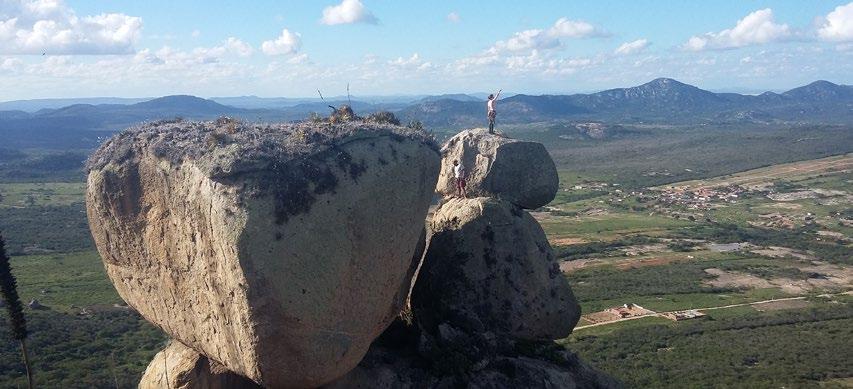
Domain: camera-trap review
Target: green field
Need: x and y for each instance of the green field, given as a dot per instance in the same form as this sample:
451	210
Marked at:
636	250
41	194
730	347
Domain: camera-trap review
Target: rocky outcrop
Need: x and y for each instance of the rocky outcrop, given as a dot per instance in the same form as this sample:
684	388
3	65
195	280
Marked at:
519	172
180	367
280	252
489	267
405	357
489	299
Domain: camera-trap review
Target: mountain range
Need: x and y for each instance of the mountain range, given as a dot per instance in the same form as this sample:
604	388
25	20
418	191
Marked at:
662	100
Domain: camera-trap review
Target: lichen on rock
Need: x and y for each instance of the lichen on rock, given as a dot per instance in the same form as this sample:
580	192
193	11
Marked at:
278	250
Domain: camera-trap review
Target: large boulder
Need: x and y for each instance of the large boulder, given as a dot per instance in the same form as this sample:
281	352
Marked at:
278	251
488	267
180	367
520	172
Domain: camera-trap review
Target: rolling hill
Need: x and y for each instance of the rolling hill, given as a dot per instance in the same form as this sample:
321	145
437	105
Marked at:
662	100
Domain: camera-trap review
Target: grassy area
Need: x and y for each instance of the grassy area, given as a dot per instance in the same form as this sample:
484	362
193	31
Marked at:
740	350
46	229
609	225
41	194
59	281
107	347
730	347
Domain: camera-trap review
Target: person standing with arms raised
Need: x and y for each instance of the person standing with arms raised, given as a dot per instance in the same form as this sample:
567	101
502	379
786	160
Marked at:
491	113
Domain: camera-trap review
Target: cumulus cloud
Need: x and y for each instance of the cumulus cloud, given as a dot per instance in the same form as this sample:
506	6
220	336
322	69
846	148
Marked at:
838	25
453	17
10	64
412	63
543	39
634	47
49	26
540	63
287	43
348	12
756	28
298	59
574	29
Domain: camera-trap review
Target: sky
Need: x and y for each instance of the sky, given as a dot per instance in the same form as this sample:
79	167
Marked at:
130	48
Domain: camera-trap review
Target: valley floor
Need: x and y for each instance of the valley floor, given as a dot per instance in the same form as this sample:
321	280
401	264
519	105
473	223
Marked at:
744	280
764	255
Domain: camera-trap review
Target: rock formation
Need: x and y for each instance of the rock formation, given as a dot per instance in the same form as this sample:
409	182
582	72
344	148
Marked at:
180	367
520	172
278	251
406	358
489	298
489	267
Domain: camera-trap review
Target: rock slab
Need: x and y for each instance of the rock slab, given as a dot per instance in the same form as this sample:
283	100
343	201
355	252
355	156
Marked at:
278	251
180	367
520	172
488	267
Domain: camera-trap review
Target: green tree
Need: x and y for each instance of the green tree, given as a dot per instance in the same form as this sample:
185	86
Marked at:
9	290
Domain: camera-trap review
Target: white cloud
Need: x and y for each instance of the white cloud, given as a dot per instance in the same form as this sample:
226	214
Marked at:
838	24
196	33
49	26
230	46
298	59
539	39
236	46
574	29
756	28
414	62
453	17
540	63
348	12
400	61
287	43
634	47
10	64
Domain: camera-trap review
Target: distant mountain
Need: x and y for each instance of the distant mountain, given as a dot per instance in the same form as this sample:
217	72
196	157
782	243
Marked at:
182	105
662	100
255	102
452	96
38	104
821	91
662	95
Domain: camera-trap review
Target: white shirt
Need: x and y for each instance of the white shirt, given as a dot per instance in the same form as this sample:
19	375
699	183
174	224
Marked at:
458	171
491	104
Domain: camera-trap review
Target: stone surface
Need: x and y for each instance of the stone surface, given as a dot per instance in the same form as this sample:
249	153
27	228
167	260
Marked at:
180	367
520	172
466	360
489	267
279	251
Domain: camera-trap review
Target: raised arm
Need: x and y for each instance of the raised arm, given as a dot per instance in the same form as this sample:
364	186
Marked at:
498	94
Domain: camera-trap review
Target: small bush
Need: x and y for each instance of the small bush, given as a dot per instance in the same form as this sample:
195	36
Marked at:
384	117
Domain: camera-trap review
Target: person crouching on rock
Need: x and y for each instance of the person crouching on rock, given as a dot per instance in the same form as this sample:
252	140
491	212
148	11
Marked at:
490	111
459	175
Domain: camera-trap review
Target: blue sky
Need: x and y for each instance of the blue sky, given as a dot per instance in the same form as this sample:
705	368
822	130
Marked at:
54	48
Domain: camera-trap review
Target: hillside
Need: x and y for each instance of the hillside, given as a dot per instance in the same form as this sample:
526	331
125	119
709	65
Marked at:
662	100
